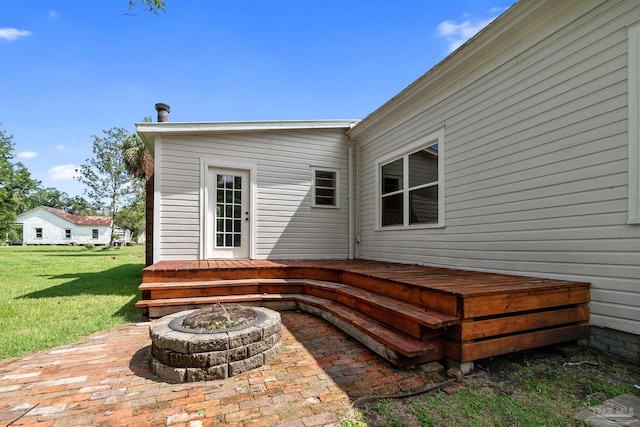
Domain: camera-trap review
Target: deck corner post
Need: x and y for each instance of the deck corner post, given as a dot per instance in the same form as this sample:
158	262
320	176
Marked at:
465	367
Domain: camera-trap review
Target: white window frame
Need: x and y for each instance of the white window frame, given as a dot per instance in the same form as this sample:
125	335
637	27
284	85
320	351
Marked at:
95	232
633	41
431	139
67	231
41	233
336	189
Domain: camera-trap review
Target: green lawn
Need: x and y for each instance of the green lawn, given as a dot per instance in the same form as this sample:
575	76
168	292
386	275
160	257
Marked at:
52	295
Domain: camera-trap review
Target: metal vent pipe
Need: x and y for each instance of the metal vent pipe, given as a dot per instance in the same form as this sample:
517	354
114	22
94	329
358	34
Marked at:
163	112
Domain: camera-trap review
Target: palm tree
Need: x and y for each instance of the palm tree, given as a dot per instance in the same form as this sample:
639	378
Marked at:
135	156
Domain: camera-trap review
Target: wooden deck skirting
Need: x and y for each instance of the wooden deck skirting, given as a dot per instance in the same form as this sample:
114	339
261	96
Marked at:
408	314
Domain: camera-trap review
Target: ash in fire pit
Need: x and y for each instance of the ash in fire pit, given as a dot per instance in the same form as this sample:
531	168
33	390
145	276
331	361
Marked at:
220	317
198	345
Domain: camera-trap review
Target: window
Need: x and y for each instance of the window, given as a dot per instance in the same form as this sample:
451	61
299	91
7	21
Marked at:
38	233
94	233
67	233
324	187
409	186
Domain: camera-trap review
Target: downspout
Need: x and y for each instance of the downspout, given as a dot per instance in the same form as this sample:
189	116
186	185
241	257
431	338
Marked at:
351	207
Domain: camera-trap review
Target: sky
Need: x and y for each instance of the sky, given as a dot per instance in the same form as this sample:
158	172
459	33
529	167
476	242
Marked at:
70	69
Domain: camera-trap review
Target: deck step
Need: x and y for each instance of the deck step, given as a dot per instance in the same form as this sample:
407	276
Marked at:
395	346
407	317
489	313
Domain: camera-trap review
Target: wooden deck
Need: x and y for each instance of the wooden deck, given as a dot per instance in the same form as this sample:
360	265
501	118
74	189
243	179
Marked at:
406	313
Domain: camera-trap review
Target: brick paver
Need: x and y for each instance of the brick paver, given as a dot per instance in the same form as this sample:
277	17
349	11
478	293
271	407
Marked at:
106	380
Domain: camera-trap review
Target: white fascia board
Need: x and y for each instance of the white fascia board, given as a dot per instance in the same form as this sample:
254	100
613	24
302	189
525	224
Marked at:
149	130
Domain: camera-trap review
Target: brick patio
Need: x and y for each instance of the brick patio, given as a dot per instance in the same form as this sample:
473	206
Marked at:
106	380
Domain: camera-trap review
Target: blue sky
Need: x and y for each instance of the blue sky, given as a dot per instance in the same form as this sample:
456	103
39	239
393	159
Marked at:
69	69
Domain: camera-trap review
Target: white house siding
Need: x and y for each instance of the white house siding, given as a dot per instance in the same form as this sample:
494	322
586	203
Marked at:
287	225
535	162
53	230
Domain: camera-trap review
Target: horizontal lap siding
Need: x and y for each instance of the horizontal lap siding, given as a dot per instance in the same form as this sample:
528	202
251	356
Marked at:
536	169
287	225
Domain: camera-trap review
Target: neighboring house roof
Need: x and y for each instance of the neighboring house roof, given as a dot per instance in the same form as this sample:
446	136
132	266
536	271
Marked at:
78	219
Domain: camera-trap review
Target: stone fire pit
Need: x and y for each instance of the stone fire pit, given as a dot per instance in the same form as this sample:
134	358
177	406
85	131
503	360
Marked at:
179	354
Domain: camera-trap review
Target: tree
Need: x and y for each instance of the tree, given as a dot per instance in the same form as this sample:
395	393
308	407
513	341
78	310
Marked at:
132	216
15	186
49	196
105	175
55	198
135	156
154	6
78	205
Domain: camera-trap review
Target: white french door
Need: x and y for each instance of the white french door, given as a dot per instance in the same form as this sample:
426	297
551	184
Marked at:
228	214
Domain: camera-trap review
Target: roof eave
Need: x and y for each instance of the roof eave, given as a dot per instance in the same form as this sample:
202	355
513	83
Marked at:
149	130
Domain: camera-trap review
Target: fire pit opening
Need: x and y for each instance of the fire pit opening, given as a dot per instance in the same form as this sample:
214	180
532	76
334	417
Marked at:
215	342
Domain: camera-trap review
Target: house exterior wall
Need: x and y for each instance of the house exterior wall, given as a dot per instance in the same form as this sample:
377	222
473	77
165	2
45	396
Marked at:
286	225
53	230
535	156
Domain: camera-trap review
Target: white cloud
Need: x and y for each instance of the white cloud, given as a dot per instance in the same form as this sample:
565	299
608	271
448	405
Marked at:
458	33
13	34
60	147
64	172
26	154
53	15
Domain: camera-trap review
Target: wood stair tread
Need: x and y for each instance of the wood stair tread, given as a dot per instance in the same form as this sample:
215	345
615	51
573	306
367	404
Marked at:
426	317
396	340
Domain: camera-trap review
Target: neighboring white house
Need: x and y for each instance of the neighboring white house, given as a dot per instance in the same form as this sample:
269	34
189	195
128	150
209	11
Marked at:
49	226
518	153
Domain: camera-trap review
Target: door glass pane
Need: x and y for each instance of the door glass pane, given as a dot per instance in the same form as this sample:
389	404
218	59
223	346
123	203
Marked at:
228	211
423	205
392	177
392	210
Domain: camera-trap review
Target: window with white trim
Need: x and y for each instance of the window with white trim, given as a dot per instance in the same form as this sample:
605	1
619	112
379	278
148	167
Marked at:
94	233
38	233
324	188
410	185
67	233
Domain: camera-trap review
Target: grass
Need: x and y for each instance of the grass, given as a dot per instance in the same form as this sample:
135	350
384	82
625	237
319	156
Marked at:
53	295
532	388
